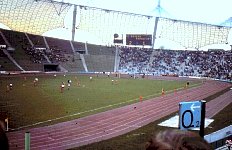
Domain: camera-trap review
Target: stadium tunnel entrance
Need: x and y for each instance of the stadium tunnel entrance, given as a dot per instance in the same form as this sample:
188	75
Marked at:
51	67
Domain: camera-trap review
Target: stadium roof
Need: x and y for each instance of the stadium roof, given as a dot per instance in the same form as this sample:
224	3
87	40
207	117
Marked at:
39	16
99	18
33	16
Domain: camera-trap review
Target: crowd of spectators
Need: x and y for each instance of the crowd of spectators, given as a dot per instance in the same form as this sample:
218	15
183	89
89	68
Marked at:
1	55
134	59
214	64
56	55
36	54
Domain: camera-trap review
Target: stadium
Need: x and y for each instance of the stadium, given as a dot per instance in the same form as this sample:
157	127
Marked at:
86	75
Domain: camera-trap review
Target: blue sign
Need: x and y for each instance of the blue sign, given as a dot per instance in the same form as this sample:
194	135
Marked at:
190	114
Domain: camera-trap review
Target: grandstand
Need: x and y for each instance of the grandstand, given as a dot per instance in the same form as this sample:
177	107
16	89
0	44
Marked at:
104	23
26	47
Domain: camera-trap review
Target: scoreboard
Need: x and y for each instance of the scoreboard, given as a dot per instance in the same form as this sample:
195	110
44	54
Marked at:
138	39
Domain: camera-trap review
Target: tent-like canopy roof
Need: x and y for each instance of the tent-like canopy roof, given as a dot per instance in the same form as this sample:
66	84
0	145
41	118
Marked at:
33	16
40	16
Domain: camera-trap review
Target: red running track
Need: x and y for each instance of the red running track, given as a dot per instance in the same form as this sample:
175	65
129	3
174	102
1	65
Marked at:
116	122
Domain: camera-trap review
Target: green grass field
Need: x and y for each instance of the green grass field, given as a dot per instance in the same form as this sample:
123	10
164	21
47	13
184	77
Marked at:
29	106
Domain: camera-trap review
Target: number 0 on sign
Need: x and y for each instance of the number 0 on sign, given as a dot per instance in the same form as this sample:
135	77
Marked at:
190	115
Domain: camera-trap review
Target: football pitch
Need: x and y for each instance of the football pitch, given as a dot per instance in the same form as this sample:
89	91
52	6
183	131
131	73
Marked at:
29	105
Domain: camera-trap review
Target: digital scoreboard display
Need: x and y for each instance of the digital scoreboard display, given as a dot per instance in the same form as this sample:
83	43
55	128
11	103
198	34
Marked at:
138	39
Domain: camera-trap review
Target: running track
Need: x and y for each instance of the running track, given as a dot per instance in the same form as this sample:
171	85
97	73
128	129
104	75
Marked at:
115	122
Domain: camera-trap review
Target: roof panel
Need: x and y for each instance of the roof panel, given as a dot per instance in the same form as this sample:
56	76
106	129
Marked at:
31	16
192	34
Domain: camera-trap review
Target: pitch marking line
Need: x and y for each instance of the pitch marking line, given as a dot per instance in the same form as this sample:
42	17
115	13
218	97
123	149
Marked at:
92	110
